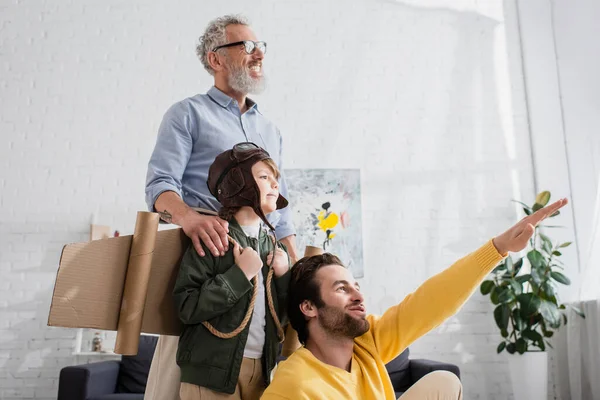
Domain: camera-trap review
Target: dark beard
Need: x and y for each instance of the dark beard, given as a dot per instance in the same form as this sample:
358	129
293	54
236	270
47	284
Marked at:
338	323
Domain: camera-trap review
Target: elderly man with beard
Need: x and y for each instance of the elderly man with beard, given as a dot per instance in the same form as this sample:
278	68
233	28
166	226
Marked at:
345	350
192	133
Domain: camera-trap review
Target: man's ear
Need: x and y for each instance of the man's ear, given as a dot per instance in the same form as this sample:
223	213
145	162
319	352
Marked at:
308	309
215	62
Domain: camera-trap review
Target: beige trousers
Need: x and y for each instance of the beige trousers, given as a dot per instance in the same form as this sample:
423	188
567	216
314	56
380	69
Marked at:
438	385
250	386
164	377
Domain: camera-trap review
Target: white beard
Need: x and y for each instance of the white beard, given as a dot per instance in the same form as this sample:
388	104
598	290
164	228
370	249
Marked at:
241	81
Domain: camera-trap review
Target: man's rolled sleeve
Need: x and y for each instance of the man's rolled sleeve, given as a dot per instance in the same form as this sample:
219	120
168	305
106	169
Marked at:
171	154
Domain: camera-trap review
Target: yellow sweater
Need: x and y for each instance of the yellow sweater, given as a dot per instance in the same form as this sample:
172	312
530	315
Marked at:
303	376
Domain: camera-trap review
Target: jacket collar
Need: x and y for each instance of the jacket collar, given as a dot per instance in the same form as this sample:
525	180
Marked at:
234	226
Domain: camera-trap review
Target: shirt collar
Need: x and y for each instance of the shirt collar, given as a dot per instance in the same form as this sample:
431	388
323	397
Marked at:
224	101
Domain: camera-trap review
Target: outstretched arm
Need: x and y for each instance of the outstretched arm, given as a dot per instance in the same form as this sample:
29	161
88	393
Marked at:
442	295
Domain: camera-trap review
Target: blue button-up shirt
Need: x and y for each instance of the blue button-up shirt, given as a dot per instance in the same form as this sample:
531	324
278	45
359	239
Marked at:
192	133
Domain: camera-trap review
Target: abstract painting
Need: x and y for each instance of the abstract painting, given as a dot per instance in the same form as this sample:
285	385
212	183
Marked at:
326	204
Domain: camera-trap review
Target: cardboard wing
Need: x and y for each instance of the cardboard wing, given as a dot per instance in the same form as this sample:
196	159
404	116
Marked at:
124	284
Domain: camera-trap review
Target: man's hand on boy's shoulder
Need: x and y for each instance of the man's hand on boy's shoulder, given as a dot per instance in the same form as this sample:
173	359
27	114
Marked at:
209	229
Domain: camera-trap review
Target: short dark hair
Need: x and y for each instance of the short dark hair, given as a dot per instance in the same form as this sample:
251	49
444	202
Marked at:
303	286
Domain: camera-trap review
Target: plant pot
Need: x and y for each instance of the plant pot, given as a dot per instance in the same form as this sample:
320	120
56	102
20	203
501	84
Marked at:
529	375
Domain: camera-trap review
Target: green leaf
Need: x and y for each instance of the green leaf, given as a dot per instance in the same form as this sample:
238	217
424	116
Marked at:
511	348
543	198
537	277
546	243
520	324
500	267
556	253
549	290
506	295
545	331
516	286
521	345
541	345
566	244
501	347
545	238
527	211
494	295
523	278
504	333
535	258
547	247
577	311
509	264
564	319
517	266
501	314
486	287
521	203
550	313
555	214
560	278
529	303
536	207
532	335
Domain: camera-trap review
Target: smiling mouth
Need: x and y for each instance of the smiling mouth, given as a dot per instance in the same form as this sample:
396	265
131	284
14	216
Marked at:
357	308
255	68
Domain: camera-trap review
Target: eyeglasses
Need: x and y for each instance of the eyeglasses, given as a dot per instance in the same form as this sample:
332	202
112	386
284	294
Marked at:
246	150
249	46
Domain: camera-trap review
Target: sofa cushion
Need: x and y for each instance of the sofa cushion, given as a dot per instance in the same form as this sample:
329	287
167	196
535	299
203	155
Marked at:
133	374
399	371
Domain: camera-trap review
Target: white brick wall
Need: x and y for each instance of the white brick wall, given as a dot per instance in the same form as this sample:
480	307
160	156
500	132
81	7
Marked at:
427	99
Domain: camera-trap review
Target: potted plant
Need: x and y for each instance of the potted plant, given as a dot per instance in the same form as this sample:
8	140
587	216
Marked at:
528	310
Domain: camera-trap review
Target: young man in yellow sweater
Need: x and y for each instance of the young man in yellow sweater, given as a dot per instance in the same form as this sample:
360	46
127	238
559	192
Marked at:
345	350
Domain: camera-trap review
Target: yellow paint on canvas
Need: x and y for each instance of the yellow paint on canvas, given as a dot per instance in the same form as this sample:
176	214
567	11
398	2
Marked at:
327	223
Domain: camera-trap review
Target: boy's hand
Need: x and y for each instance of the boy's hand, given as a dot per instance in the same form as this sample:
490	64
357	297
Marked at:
281	263
247	259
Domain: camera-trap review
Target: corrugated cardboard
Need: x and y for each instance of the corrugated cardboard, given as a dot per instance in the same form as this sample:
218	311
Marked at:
90	284
125	284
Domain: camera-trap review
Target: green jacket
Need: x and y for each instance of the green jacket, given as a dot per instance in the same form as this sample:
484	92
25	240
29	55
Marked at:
216	290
